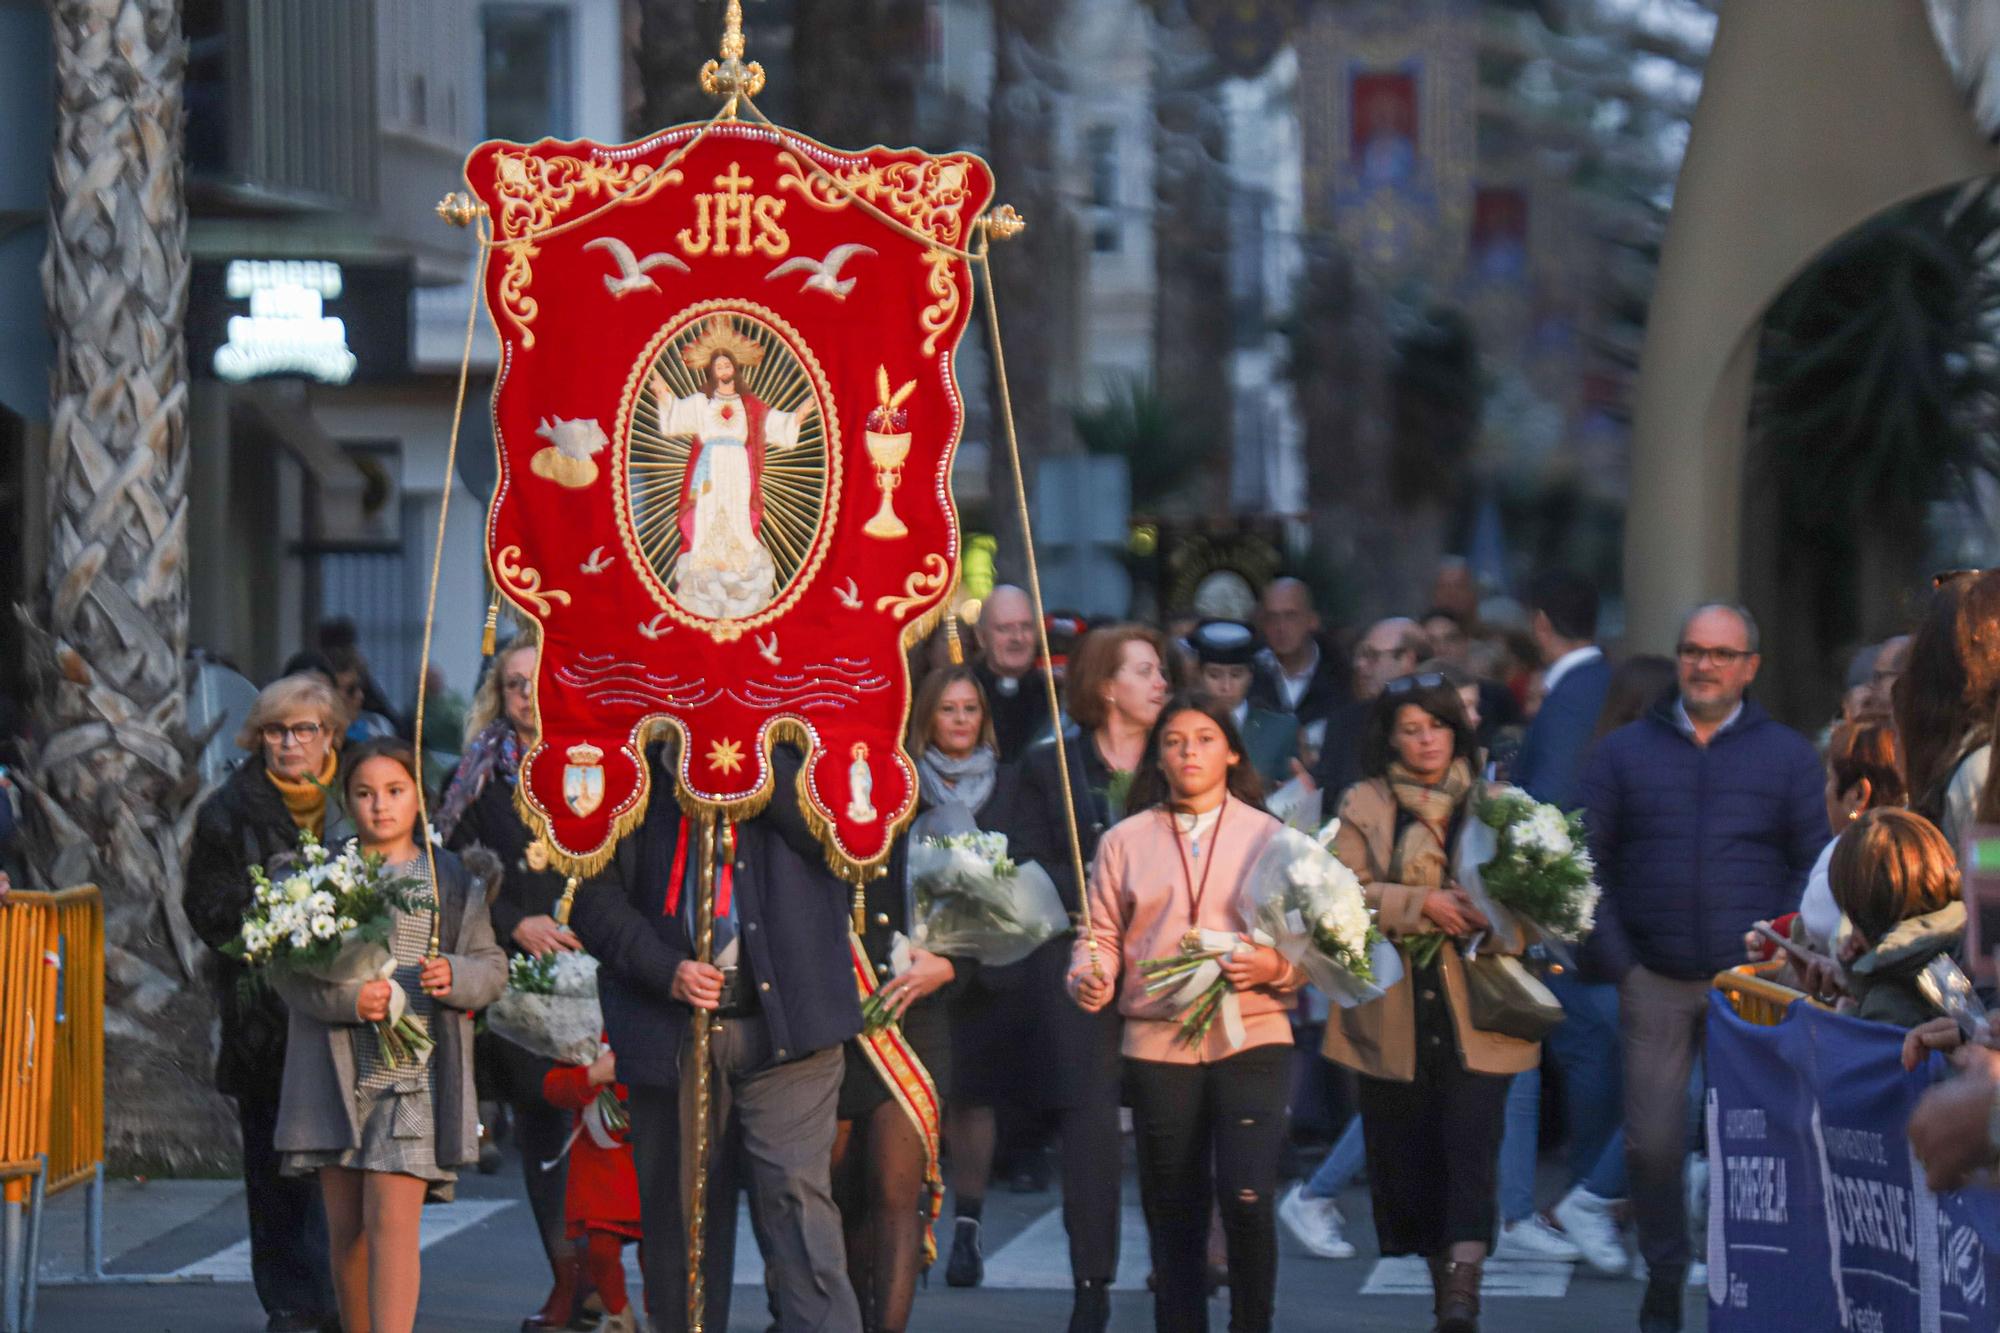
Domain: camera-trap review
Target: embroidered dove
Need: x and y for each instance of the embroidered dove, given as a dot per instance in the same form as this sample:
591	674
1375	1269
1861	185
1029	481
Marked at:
767	649
850	596
653	629
577	437
823	274
598	562
634	274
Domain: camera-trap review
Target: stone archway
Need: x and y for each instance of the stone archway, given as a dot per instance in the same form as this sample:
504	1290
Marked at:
1813	118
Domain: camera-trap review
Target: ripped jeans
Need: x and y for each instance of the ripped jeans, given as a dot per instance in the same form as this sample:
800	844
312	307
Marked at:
1210	1138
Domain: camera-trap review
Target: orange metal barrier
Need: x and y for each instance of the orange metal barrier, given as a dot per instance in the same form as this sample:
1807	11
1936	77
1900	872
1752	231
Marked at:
1755	997
76	1118
30	973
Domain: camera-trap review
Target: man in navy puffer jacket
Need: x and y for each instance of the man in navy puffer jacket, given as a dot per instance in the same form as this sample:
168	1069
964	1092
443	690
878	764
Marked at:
1704	817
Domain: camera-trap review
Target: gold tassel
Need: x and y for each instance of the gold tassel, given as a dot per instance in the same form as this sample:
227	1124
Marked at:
486	640
860	910
567	902
953	646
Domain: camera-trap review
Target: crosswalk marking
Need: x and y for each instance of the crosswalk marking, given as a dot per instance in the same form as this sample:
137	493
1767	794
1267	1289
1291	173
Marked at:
439	1221
1038	1258
1407	1276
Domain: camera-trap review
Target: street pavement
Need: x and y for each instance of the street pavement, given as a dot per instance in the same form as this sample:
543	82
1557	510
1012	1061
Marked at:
483	1270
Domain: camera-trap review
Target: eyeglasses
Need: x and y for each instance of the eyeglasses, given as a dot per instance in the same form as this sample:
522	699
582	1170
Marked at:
520	685
1693	654
1428	680
274	733
1943	577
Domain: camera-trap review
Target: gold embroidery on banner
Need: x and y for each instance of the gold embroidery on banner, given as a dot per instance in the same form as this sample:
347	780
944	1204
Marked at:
927	197
918	588
523	583
534	192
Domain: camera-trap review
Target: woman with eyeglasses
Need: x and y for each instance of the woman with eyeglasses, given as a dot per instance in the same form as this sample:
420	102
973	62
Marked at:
284	786
478	811
1433	1089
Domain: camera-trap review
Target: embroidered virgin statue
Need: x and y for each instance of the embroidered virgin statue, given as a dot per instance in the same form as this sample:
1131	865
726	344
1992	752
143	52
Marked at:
725	572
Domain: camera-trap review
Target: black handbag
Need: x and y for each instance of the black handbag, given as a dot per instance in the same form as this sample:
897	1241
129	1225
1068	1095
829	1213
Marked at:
1505	997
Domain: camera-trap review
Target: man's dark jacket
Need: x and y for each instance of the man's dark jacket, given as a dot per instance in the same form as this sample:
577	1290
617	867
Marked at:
1552	751
1330	686
1020	718
1694	844
792	913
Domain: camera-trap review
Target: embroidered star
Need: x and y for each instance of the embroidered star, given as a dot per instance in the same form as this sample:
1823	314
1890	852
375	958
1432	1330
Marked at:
726	756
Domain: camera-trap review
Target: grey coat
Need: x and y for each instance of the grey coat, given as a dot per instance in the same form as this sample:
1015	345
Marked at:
316	1112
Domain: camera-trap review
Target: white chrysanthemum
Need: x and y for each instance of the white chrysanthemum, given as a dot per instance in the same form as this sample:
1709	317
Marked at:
324	927
320	903
315	853
348	923
301	937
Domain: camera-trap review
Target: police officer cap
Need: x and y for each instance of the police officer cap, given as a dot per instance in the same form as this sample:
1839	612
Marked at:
1223	643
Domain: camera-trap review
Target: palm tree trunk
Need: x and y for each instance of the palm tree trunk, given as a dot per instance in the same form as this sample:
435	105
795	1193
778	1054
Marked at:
856	68
674	38
1192	328
113	787
1035	274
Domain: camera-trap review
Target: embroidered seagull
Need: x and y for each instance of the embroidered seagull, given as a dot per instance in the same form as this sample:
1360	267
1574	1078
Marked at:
597	563
653	629
850	596
633	273
825	273
768	650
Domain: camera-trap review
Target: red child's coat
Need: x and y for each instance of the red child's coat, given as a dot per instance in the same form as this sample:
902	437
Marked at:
603	1190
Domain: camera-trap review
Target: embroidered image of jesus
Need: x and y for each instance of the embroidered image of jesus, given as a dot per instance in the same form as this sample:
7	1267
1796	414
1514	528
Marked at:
725	569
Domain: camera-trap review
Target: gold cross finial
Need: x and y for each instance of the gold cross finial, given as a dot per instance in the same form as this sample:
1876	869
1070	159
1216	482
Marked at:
730	77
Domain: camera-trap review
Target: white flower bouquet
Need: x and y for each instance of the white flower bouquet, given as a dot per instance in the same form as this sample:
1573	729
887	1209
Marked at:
974	901
1313	909
1524	861
327	917
550	1007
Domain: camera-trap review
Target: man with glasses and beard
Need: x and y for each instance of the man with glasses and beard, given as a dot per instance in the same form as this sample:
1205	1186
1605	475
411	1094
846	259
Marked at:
1704	816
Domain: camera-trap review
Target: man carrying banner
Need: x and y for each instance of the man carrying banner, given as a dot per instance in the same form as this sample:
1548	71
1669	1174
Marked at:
783	1000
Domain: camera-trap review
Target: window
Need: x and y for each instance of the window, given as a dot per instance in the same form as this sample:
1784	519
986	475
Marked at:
527	72
1101	146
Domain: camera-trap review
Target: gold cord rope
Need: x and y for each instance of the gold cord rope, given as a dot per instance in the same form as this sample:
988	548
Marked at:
1035	591
437	562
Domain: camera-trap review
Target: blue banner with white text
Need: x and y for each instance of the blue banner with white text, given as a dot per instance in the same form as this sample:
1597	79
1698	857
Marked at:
1818	1214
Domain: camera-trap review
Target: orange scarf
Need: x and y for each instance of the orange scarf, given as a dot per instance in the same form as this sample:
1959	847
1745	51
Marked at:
305	799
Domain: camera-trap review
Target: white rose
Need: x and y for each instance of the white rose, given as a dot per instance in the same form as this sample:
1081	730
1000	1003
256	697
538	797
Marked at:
298	888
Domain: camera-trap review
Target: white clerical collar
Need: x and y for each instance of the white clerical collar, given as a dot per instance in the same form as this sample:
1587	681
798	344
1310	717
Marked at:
1567	663
1008	685
1242	714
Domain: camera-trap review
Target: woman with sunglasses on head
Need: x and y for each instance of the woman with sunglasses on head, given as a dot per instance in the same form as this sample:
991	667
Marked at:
1433	1089
478	811
385	1139
283	787
1209	1115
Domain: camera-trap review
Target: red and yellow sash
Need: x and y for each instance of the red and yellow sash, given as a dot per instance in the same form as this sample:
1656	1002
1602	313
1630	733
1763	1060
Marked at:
912	1087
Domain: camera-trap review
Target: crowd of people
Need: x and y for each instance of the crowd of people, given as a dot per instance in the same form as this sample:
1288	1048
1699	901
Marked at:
1714	828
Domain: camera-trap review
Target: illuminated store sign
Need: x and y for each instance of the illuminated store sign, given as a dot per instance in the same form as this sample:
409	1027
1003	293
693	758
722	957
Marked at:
287	331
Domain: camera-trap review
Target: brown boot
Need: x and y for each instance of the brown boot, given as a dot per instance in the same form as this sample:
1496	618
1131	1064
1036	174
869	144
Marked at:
1440	1268
559	1311
1458	1312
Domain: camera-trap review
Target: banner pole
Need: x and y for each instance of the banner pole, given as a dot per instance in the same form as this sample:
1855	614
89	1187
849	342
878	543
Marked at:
704	947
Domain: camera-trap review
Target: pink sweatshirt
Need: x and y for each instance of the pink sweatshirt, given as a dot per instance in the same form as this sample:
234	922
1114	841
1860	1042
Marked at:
1139	909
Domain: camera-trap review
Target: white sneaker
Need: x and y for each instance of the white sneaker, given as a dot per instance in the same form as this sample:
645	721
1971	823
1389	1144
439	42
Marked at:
1315	1224
1533	1237
1592	1227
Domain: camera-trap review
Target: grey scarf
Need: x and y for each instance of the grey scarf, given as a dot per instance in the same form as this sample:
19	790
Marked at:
967	782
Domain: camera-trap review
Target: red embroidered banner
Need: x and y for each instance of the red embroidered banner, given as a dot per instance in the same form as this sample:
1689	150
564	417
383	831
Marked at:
725	413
